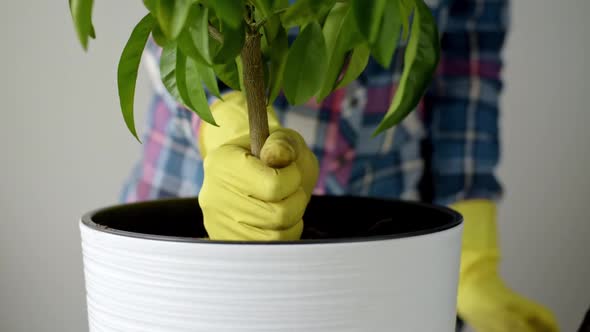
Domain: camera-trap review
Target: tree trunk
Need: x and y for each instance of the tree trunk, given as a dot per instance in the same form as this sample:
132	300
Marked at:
253	77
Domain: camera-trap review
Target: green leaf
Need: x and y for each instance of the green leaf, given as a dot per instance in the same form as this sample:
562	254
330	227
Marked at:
181	78
92	33
341	35
305	11
405	8
172	15
187	45
228	74
81	11
240	66
208	76
194	39
152	6
129	66
266	76
388	36
233	41
368	16
279	5
229	11
271	29
358	63
264	7
197	93
265	10
278	60
159	36
175	78
420	61
335	24
305	65
168	62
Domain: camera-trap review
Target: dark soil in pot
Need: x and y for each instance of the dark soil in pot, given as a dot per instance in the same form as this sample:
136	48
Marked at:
327	218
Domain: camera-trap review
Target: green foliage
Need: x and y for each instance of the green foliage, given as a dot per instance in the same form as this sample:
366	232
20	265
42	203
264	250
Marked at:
358	61
168	64
158	36
228	74
421	57
305	66
388	34
128	67
233	41
172	15
278	61
207	74
195	92
202	41
181	78
81	11
303	12
194	40
229	11
341	36
405	8
368	15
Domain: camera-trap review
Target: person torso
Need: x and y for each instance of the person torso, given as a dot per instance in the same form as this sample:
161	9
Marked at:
339	130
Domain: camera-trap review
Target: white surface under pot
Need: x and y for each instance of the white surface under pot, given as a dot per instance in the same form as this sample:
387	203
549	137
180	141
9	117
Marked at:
146	270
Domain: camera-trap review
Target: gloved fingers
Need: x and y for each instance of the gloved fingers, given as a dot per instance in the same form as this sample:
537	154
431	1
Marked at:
234	166
274	216
309	170
285	146
280	149
229	215
265	234
536	316
515	322
308	167
480	319
543	322
497	321
305	159
245	232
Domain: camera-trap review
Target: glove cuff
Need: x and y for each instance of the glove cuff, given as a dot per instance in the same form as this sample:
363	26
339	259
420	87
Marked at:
479	224
480	253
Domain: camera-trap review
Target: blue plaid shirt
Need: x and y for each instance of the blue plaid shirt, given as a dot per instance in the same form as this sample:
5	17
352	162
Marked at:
444	152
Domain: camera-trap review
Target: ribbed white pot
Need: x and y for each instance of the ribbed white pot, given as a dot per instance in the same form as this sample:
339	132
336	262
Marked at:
144	281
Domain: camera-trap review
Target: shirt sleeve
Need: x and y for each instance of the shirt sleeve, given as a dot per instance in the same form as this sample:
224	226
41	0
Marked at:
462	108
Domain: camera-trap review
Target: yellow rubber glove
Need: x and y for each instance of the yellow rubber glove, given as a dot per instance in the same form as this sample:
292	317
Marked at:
242	197
484	301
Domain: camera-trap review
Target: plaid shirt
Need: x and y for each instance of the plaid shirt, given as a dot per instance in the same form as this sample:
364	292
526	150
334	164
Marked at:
446	151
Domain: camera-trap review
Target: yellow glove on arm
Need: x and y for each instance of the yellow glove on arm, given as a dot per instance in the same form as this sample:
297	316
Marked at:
484	301
244	198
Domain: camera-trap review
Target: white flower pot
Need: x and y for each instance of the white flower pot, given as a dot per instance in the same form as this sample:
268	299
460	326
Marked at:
372	265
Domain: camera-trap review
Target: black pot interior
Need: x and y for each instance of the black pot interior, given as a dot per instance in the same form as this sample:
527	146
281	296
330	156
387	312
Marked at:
327	219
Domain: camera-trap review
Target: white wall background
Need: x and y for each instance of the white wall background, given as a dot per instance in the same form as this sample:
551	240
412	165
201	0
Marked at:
64	150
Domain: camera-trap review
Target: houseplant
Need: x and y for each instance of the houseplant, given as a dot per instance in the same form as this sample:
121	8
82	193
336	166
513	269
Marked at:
147	267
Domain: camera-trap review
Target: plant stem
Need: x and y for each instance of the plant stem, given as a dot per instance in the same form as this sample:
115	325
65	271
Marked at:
263	21
215	34
253	74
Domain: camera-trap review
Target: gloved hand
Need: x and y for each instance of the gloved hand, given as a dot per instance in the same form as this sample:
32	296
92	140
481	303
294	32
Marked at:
484	301
243	198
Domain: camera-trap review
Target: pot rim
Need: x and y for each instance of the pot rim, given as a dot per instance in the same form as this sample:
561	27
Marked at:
86	220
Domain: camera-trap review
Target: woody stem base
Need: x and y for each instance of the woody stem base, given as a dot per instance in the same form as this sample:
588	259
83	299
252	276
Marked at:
253	77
